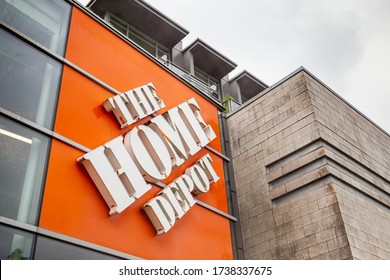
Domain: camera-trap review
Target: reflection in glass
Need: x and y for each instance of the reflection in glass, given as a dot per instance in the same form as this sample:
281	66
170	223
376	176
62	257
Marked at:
47	248
45	21
23	156
29	81
15	244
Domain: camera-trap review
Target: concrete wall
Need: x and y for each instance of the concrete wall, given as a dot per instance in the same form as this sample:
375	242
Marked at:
312	175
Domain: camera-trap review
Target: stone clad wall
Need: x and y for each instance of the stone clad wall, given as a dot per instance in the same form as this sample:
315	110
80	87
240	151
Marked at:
303	177
361	167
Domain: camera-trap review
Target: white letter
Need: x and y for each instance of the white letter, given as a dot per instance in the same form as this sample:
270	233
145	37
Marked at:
200	179
150	153
195	122
170	194
121	112
135	104
177	123
205	163
172	139
115	175
207	129
151	95
185	187
144	101
160	213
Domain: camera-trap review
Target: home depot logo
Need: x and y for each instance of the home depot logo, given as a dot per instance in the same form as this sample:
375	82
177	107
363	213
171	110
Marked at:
123	167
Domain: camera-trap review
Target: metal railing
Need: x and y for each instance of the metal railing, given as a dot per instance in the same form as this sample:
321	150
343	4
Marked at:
230	105
192	79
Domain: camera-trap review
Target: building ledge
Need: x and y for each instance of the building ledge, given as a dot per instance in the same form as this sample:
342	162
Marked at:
209	60
249	85
144	18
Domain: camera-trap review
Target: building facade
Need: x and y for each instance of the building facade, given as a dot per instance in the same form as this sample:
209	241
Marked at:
116	142
312	175
106	152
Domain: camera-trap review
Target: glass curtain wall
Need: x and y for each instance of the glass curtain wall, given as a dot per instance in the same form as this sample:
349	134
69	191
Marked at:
29	81
29	85
44	21
15	244
23	155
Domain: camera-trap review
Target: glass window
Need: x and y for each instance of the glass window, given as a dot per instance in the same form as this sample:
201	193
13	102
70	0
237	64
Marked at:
15	244
119	26
147	46
45	21
23	157
212	83
201	76
163	55
207	79
139	38
51	249
29	81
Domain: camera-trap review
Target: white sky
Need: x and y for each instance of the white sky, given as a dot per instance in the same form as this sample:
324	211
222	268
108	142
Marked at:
345	43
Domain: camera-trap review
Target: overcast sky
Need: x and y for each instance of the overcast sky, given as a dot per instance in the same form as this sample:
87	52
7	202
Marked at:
344	43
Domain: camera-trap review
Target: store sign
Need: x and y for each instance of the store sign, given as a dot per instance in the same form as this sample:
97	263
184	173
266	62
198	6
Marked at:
123	167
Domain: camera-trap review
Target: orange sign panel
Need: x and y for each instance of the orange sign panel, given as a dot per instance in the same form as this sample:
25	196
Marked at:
72	204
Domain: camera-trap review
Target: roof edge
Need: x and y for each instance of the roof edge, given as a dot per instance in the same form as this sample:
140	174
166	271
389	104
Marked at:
156	12
264	92
163	16
250	75
344	100
292	74
199	41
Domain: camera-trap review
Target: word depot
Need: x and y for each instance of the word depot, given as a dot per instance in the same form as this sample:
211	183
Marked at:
123	167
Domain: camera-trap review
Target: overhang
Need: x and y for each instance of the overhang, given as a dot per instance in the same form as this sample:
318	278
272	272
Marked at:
209	60
144	18
249	85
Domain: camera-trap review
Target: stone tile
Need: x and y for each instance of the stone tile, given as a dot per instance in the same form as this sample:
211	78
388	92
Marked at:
313	228
318	249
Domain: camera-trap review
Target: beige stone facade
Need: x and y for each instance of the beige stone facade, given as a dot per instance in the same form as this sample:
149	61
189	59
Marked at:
312	175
